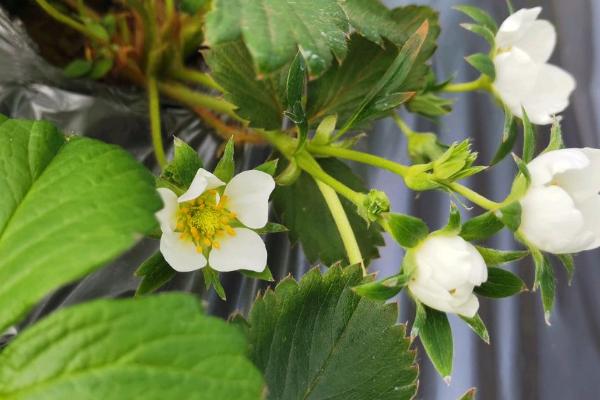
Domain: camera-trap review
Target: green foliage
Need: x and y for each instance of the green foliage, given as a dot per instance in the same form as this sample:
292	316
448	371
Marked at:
407	230
479	16
477	326
482	63
101	67
482	31
424	148
481	227
556	140
265	275
567	261
182	169
528	139
382	290
67	207
226	166
509	137
155	272
302	208
211	279
78	68
436	336
495	257
268	167
193	6
510	215
296	97
317	339
545	281
157	347
500	283
429	105
469	394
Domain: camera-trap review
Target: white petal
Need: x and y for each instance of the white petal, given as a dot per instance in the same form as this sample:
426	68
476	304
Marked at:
546	167
550	94
437	298
591	217
469	308
180	254
245	250
538	41
516	26
516	75
202	182
551	221
248	194
583	182
167	216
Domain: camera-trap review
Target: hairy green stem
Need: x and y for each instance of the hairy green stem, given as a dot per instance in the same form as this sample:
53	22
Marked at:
70	22
481	83
406	130
154	107
193	99
342	223
474	197
193	76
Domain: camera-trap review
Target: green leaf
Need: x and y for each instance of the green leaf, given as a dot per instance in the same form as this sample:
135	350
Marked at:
493	257
556	140
211	279
157	347
510	215
545	280
569	263
382	290
528	139
317	339
481	227
67	207
302	208
482	63
407	230
155	272
226	166
296	98
469	394
265	275
268	167
509	138
436	337
482	31
98	30
500	283
478	326
260	101
184	166
191	7
479	16
101	68
78	68
420	317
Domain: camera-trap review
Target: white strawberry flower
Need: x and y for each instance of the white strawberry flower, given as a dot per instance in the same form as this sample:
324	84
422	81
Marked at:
561	209
524	78
214	226
446	270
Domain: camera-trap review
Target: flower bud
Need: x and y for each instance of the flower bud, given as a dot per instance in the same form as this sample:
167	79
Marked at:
561	208
445	270
376	202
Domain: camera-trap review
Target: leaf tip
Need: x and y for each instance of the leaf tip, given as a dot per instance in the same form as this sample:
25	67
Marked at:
447	380
547	318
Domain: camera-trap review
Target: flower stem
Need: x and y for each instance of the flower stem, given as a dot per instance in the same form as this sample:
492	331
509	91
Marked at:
198	77
402	125
474	197
154	107
481	83
342	223
70	22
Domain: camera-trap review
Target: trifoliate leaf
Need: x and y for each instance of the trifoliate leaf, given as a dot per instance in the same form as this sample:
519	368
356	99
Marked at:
303	210
67	207
155	347
500	283
317	339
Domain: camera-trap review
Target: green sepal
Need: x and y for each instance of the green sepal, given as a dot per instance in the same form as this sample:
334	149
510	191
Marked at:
510	215
529	144
436	337
481	227
509	138
78	68
155	272
271	227
430	105
494	258
500	283
226	166
545	280
556	140
482	63
453	226
479	16
264	275
184	166
407	230
211	278
420	317
384	289
101	67
482	31
478	326
268	167
569	263
469	394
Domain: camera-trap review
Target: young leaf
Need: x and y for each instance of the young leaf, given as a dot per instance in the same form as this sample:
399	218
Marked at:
407	230
545	280
482	63
479	16
569	264
182	169
78	68
310	338
303	210
482	31
382	290
481	227
494	258
226	166
268	167
155	272
528	139
436	337
160	346
477	325
509	138
500	283
80	203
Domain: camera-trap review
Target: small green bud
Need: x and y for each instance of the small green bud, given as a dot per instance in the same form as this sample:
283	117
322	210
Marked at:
419	178
376	202
425	147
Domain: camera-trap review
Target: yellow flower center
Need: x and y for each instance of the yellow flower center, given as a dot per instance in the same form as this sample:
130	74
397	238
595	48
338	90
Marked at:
205	220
